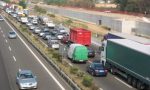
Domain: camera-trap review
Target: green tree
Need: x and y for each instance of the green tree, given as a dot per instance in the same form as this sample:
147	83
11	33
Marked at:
23	3
121	4
7	1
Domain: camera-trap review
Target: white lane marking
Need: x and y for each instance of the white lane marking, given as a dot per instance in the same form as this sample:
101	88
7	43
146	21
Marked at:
50	74
2	31
100	89
123	82
3	35
14	58
70	64
9	48
6	41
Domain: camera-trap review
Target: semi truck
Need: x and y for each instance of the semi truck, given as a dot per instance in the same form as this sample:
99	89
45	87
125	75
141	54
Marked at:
80	36
128	58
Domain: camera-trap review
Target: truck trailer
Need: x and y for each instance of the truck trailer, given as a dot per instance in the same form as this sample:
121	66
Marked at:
128	58
80	36
118	35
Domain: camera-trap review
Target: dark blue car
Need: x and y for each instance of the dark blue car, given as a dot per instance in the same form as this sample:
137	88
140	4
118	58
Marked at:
96	69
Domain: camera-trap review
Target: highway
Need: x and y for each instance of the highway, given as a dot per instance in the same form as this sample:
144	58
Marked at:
18	54
111	82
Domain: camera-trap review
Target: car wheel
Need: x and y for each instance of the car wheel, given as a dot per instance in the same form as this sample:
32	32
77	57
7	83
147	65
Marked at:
92	73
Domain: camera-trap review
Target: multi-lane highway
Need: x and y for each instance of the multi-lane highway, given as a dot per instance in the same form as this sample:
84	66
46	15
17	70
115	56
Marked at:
18	54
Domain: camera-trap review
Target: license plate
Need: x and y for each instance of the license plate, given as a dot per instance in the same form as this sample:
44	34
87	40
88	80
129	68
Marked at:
101	70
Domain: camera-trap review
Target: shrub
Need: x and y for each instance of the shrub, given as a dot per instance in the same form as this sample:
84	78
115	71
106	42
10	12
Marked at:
94	87
87	81
35	38
51	15
73	70
57	56
30	33
80	74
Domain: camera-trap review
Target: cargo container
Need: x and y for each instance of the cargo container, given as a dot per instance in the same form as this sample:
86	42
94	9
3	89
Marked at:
80	36
128	58
118	35
77	53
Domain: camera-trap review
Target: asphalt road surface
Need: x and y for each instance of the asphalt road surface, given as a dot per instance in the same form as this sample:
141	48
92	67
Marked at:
111	82
18	54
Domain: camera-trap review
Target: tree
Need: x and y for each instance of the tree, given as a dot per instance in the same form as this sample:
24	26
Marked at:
7	1
121	4
23	3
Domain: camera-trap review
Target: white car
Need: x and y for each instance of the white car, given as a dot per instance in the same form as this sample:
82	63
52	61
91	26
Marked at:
37	30
12	35
28	24
31	27
34	21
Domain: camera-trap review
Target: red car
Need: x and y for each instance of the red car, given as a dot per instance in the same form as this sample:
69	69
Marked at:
65	39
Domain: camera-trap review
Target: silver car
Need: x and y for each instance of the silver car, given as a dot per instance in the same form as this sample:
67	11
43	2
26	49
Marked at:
26	80
12	35
31	27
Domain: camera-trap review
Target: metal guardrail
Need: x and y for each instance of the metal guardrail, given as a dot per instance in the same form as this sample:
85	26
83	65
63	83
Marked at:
61	73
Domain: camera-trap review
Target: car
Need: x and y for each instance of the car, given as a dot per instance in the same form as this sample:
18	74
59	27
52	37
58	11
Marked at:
97	69
53	42
26	80
31	27
45	30
37	30
1	18
65	39
91	53
34	21
12	35
59	35
28	24
46	36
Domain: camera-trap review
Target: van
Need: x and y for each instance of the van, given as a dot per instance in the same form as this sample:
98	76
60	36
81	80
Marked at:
77	53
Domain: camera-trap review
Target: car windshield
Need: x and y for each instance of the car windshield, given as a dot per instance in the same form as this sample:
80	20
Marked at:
12	33
26	75
98	66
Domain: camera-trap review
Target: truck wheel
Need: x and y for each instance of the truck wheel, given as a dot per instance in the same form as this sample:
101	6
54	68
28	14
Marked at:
129	80
112	70
134	82
140	86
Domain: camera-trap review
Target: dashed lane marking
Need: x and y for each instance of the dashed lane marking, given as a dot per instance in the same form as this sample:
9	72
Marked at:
14	58
9	48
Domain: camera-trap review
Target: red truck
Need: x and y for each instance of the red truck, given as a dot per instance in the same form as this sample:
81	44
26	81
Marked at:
80	36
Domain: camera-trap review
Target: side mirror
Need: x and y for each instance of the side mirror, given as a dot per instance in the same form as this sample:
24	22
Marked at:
35	76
